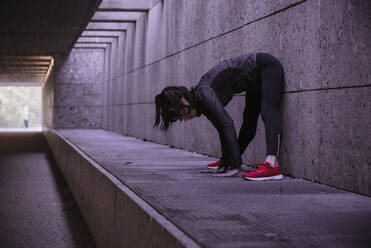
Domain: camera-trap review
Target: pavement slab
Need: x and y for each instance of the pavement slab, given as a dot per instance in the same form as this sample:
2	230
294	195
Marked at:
229	212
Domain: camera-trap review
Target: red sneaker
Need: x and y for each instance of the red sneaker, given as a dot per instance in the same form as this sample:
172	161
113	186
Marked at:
213	166
265	172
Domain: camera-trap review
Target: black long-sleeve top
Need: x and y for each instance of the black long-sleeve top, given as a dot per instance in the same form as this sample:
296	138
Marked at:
215	90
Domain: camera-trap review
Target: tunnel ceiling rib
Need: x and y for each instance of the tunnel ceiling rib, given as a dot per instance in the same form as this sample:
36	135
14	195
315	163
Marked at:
112	19
101	33
126	5
24	69
108	30
98	36
91	46
100	16
96	39
107	43
107	26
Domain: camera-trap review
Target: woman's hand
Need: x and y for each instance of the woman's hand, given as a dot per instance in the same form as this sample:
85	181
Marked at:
227	173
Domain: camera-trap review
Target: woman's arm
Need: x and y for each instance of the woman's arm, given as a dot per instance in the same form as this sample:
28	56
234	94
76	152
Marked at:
213	109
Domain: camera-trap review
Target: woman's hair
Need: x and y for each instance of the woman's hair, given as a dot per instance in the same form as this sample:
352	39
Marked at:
169	105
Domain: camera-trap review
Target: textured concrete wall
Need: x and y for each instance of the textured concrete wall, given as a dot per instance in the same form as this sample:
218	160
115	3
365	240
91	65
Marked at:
323	46
78	89
48	103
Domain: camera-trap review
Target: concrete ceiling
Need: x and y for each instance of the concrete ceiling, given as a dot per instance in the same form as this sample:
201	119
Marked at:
33	30
112	18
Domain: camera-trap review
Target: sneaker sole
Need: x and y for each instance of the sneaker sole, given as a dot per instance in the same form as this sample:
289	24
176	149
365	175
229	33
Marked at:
243	168
278	177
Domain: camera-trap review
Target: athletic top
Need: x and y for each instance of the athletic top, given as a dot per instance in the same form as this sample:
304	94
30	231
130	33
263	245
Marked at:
215	90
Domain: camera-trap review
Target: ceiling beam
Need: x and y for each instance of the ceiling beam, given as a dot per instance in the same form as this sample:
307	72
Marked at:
97	39
25	58
127	5
31	67
105	16
22	62
102	33
107	26
97	45
21	83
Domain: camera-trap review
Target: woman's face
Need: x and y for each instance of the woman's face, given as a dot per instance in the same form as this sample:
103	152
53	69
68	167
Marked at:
187	113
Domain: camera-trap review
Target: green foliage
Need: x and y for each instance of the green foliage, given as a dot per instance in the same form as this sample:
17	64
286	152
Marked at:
19	103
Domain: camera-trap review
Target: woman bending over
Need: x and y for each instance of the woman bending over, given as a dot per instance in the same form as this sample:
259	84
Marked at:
260	75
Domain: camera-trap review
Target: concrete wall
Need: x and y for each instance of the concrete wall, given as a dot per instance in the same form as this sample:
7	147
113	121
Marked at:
78	89
48	103
322	46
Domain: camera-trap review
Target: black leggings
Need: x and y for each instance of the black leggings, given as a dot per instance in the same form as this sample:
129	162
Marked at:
266	101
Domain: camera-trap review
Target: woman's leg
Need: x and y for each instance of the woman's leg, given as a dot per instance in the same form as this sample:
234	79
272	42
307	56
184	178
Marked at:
271	74
250	120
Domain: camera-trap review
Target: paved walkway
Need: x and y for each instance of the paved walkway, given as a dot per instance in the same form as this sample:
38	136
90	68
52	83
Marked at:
230	212
37	209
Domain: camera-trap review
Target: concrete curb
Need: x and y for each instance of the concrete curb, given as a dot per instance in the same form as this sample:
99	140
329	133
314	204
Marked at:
115	215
